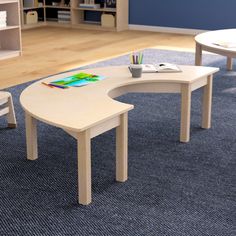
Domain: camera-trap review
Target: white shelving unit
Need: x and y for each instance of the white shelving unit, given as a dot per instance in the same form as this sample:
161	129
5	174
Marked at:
10	36
78	14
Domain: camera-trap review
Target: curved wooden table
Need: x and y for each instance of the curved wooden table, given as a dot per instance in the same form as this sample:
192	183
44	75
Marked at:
88	111
205	42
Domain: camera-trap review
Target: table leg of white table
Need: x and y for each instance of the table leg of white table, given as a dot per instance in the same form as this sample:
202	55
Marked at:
122	149
31	137
198	55
207	103
185	113
84	167
229	63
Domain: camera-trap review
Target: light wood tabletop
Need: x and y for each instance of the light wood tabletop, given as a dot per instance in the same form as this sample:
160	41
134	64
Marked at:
88	111
216	41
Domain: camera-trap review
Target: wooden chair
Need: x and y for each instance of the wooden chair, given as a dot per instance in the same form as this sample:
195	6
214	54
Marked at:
7	108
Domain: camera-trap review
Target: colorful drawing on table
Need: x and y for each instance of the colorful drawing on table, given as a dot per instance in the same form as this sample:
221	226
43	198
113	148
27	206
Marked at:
77	80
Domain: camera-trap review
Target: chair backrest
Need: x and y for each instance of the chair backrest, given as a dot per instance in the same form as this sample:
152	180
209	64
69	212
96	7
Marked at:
7	108
4	97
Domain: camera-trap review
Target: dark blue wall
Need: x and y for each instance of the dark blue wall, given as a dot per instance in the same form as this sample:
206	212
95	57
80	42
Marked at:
192	14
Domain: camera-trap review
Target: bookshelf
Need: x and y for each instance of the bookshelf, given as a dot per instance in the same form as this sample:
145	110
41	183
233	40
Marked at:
31	6
10	33
74	16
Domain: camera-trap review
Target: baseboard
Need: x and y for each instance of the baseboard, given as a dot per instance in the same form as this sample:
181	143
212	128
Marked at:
166	29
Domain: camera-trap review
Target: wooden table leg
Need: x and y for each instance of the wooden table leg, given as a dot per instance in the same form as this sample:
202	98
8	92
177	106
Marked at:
206	103
122	149
185	112
11	118
84	167
229	63
198	55
31	137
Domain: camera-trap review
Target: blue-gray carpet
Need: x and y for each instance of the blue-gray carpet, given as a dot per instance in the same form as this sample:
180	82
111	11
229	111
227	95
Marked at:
173	188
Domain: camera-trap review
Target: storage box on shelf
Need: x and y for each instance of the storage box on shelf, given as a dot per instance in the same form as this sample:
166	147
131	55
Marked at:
10	34
32	13
31	17
30	3
79	14
3	19
108	20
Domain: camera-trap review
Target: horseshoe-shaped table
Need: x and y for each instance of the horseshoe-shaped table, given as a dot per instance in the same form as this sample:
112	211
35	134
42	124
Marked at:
88	111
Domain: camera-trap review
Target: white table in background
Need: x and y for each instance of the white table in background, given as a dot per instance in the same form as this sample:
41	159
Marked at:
205	42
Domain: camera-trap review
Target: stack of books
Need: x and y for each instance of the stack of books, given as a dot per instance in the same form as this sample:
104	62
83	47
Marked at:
64	17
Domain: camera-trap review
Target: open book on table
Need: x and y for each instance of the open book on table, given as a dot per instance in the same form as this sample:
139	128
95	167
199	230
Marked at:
77	80
226	44
161	68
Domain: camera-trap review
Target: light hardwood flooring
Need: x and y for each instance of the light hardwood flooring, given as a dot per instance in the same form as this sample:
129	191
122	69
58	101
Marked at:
50	50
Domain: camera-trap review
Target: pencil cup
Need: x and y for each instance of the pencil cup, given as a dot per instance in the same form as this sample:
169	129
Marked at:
136	70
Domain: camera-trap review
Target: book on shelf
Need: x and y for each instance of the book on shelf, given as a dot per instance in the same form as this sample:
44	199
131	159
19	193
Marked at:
92	6
91	22
226	44
77	80
161	68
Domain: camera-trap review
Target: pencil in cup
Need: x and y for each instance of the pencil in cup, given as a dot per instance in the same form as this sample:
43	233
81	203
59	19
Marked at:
136	59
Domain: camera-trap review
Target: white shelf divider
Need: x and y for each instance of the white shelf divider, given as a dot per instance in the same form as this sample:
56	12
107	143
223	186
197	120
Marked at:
10	36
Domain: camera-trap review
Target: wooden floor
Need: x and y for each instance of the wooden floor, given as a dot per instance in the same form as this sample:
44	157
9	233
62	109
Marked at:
51	50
